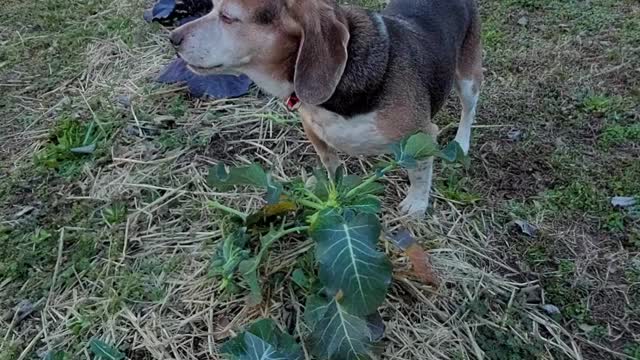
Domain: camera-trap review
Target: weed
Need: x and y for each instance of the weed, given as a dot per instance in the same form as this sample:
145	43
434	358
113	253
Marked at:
537	254
633	350
114	214
9	351
173	139
598	104
493	32
455	188
529	4
178	107
578	196
499	342
62	152
615	135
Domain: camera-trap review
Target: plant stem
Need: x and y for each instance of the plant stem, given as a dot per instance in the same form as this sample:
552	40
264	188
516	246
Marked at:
265	246
310	204
217	205
313	196
370	180
293	230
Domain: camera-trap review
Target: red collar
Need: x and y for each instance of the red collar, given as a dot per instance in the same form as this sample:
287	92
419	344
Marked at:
293	103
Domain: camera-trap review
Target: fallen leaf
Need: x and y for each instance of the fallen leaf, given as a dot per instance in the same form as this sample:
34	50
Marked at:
515	134
88	149
124	101
527	228
270	211
402	239
623	201
422	265
214	86
419	259
20	312
172	12
523	21
165	121
550	309
586	327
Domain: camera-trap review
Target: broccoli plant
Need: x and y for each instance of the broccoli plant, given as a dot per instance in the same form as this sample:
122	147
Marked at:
340	215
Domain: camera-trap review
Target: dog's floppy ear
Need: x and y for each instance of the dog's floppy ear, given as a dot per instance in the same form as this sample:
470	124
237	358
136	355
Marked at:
322	55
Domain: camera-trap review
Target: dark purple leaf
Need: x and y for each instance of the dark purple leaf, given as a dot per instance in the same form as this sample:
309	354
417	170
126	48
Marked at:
376	326
623	201
402	239
163	9
527	228
177	12
215	86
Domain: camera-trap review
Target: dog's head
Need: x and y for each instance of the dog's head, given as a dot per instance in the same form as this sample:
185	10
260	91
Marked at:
284	45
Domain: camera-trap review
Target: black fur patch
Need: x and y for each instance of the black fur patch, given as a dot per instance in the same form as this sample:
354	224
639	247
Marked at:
266	15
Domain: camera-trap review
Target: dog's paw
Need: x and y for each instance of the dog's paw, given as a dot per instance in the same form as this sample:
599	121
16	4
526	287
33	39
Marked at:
415	206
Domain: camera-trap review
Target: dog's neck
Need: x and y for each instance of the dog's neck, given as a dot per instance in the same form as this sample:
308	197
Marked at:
368	56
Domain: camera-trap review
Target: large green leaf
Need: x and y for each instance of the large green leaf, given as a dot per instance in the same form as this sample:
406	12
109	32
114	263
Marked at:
271	333
421	146
251	175
336	334
258	349
349	260
224	180
411	149
104	351
352	181
364	204
263	340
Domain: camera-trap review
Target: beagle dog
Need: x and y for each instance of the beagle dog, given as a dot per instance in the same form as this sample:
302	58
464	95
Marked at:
364	79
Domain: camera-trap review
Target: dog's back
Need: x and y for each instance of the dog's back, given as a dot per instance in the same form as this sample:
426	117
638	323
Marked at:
434	33
448	20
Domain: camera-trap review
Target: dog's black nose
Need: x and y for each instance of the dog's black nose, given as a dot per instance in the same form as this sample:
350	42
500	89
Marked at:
176	38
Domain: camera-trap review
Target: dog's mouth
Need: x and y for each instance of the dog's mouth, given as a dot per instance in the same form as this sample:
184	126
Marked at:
205	70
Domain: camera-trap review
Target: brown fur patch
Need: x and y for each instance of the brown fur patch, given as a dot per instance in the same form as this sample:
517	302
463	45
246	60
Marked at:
323	54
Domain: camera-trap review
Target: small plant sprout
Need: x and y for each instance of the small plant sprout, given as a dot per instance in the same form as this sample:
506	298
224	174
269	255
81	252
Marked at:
340	216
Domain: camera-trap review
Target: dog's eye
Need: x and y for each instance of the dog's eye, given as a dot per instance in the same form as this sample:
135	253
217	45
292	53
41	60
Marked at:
227	19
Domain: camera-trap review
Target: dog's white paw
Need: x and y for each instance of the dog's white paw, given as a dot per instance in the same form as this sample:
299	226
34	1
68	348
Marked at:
415	206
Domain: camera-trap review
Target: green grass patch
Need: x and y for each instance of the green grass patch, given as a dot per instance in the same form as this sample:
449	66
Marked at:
578	196
616	134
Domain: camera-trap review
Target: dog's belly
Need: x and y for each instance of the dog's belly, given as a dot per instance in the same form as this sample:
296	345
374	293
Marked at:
358	135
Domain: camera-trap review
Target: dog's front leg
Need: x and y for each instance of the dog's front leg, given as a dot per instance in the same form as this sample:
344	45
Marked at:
328	155
417	200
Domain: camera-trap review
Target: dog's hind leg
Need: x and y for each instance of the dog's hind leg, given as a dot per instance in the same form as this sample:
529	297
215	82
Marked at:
468	81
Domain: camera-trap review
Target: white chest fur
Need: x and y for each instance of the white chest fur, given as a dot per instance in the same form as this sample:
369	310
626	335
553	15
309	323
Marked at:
358	135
